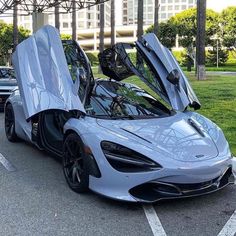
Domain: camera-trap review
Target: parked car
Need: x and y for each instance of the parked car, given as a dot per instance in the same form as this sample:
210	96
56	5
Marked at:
113	137
7	84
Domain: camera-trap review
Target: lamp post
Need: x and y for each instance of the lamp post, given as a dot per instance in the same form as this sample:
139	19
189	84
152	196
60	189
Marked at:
9	56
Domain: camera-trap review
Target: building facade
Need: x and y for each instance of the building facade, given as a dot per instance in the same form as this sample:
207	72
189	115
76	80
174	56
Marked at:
167	9
87	18
126	27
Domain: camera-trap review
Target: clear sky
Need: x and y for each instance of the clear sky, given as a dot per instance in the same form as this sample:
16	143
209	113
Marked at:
219	5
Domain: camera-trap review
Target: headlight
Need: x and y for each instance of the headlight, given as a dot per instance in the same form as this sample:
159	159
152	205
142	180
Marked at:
126	160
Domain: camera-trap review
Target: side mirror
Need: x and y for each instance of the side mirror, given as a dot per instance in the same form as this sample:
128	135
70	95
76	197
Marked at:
174	77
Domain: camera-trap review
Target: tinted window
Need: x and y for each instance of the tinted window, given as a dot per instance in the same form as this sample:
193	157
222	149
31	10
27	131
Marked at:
78	65
117	100
143	68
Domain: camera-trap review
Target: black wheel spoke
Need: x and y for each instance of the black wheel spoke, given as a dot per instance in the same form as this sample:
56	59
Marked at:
9	121
69	149
73	161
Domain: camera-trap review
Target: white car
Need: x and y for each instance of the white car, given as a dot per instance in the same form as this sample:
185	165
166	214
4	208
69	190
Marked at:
7	84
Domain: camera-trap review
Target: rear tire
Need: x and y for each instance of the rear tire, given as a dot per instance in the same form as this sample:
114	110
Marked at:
75	165
10	124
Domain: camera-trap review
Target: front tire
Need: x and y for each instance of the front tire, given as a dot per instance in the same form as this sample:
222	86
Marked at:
10	124
75	164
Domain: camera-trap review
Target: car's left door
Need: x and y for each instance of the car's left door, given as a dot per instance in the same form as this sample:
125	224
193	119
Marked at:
43	76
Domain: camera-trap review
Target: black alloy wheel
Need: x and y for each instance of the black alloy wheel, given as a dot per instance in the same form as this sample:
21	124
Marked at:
10	124
75	164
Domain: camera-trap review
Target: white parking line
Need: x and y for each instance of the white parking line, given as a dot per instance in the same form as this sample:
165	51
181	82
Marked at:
7	164
154	221
230	227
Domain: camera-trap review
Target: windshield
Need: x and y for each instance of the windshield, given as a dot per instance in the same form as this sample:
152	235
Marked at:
111	99
125	60
7	73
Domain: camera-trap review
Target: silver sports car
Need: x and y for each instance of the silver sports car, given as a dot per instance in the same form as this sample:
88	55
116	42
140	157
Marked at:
113	137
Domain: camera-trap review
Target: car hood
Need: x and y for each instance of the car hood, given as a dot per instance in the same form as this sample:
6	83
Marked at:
155	65
42	74
178	136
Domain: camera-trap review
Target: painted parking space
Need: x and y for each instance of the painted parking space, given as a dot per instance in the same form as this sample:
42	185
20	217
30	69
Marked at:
205	215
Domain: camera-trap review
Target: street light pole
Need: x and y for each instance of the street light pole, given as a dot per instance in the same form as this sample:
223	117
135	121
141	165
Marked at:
200	41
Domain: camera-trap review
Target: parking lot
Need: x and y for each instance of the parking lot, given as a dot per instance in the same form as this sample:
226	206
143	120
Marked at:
35	200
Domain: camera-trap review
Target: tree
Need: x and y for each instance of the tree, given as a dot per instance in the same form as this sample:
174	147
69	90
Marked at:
57	15
200	40
15	26
74	25
211	58
101	35
228	26
6	36
140	19
186	25
66	36
156	18
102	25
113	33
166	33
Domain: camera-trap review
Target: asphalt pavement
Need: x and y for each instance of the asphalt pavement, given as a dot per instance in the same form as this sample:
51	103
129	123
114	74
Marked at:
35	200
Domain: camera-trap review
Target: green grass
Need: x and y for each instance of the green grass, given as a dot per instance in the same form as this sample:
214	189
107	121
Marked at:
217	95
227	67
218	98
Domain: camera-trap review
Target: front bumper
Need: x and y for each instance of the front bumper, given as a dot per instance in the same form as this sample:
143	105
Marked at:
155	191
